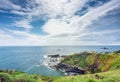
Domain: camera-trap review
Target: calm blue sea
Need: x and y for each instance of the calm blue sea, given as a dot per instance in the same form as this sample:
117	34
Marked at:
30	58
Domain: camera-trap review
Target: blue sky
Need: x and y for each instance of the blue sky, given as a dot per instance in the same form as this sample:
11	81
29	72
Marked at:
59	22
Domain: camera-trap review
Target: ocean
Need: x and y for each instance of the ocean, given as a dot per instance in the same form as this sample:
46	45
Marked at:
30	59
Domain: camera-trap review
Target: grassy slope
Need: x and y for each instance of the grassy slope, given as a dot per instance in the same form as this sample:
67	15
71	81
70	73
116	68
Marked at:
16	76
110	76
105	62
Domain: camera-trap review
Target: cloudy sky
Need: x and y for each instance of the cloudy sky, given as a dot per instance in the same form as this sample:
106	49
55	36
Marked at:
59	22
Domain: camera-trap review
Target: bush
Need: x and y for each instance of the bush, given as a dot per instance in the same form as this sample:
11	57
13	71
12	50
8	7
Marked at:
115	64
91	80
5	78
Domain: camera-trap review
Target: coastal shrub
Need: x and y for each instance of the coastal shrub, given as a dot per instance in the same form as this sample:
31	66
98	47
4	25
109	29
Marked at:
26	77
24	80
4	77
111	80
91	59
117	51
115	64
91	80
105	61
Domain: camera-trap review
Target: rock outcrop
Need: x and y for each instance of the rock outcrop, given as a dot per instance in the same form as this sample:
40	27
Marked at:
70	69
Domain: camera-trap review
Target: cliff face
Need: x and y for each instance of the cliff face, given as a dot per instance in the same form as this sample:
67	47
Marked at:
70	69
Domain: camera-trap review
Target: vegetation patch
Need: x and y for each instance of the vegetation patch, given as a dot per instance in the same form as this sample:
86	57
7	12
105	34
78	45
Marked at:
94	62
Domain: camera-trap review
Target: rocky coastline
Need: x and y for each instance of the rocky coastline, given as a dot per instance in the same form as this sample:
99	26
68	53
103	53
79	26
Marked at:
70	69
54	62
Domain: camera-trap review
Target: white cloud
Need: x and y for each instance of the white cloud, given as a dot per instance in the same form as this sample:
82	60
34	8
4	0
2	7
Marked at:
66	8
31	39
18	12
94	14
27	38
77	24
53	10
7	4
3	35
23	23
53	27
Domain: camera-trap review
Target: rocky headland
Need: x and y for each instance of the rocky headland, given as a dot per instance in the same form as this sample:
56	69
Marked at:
84	62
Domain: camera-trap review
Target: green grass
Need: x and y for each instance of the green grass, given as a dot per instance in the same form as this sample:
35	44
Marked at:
77	59
115	64
110	76
16	76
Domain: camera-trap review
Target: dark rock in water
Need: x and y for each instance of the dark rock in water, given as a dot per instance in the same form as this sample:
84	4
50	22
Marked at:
64	56
70	69
105	48
54	56
58	49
